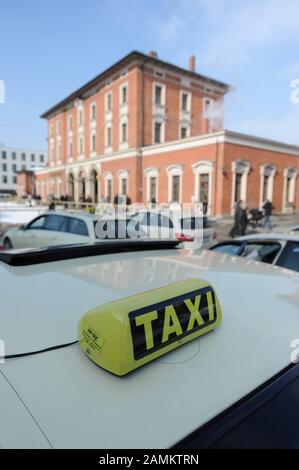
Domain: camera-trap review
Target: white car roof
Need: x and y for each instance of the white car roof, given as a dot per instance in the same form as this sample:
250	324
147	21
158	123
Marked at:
78	404
271	236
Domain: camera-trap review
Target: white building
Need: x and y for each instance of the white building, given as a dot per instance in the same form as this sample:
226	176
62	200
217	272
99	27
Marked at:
13	160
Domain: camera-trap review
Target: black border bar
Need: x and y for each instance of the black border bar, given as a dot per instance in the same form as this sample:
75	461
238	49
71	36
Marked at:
65	252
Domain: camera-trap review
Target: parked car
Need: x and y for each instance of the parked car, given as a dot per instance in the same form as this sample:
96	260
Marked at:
192	231
62	228
234	387
275	248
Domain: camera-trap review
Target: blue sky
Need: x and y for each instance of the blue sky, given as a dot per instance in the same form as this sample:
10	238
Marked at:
49	48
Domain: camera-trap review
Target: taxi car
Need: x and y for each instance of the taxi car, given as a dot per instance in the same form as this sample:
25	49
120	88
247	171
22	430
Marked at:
280	249
235	386
62	228
192	231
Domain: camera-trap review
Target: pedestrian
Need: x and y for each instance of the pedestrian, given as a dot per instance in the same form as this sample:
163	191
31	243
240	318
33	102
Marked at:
243	220
205	204
237	218
268	208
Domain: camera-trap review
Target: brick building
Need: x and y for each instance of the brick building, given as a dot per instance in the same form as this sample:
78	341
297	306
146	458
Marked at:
152	130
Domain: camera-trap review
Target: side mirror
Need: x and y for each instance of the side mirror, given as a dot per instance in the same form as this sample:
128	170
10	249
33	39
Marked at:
23	227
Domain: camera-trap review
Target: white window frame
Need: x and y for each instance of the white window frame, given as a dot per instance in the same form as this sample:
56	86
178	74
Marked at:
189	101
70	122
241	167
123	174
93	106
270	170
108	147
293	173
109	93
108	177
185	126
93	135
81	153
162	122
175	170
163	94
151	173
121	88
203	167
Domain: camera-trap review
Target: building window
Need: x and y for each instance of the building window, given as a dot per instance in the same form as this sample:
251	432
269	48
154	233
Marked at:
265	187
4	167
109	190
81	145
58	128
51	130
175	196
4	179
93	142
238	182
80	117
59	152
23	167
185	97
70	149
184	132
108	137
153	189
14	179
124	186
93	112
109	102
32	157
14	155
52	156
158	94
124	95
158	132
23	156
14	168
70	122
4	155
124	132
41	158
204	180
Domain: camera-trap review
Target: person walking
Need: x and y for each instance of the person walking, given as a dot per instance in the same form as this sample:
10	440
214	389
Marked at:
243	220
268	208
237	220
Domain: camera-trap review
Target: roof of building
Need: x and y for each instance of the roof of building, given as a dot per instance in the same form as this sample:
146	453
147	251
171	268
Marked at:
134	55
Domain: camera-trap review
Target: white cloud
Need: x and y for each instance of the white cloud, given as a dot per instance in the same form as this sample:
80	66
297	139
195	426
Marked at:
231	28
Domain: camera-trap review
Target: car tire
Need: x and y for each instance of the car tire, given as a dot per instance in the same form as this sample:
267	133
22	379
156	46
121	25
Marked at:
7	244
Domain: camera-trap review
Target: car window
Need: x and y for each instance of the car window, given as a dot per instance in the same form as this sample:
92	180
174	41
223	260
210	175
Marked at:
265	252
290	256
165	221
53	222
37	224
230	249
65	224
77	227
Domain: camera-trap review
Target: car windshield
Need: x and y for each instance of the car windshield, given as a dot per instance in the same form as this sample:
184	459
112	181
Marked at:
229	248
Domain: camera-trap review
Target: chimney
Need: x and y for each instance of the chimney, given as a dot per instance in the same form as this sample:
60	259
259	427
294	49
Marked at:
153	54
192	63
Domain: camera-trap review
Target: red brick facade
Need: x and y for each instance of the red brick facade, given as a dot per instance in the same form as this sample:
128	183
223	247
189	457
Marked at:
154	131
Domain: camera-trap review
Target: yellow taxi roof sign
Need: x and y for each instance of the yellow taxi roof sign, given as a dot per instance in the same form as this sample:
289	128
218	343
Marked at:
123	335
